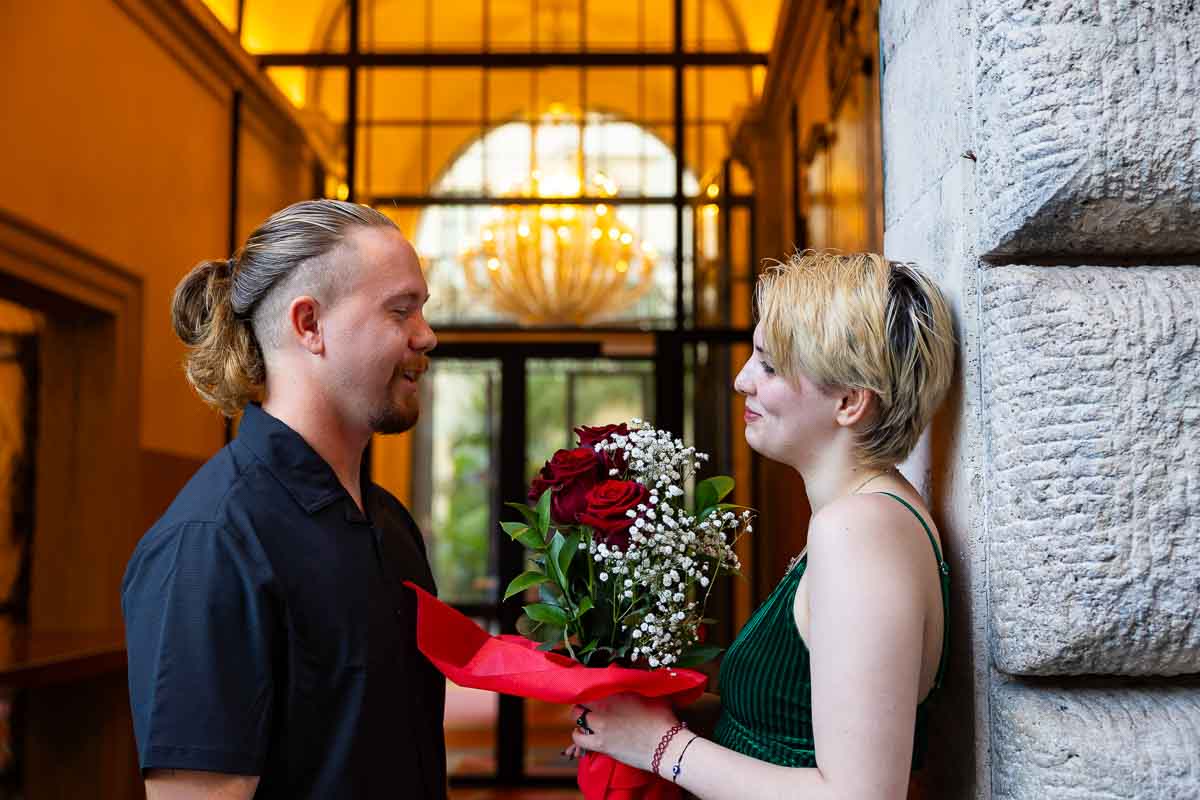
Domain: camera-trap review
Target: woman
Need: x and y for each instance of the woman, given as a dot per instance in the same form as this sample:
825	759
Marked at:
824	692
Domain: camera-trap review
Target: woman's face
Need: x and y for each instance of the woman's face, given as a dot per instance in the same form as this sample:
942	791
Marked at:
785	421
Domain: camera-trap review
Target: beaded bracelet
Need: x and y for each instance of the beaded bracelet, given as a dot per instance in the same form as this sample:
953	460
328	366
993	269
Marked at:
663	743
676	769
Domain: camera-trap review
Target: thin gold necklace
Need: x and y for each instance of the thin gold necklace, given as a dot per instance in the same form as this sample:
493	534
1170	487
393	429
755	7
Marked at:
868	480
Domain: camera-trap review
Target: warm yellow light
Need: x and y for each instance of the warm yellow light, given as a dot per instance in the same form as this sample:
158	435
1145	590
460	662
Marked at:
558	109
511	266
713	190
710	210
343	192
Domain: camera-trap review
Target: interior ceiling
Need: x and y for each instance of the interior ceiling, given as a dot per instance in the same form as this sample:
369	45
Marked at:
310	25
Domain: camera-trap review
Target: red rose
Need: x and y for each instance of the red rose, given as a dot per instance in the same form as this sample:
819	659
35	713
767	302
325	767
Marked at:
592	436
607	503
570	474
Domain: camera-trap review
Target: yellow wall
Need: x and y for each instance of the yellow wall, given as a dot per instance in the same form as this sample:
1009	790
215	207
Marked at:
115	137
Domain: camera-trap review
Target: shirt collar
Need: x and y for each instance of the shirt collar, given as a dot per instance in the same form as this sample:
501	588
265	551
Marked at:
293	462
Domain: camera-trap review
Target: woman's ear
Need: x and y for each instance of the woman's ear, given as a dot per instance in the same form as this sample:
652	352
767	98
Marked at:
304	323
855	405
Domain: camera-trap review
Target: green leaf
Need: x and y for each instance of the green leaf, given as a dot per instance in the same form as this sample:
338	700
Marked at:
695	656
552	559
525	535
712	490
547	614
585	605
566	553
543	512
528	628
550	645
548	634
514	529
524	581
528	513
589	647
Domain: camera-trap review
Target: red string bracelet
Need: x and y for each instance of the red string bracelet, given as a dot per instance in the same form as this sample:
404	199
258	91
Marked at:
663	743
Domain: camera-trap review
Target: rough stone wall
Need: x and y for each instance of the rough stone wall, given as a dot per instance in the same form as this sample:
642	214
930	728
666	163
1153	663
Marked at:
1023	141
1085	129
1093	420
1090	743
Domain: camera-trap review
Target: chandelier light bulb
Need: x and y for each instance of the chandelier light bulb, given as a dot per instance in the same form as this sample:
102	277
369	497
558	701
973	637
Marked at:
550	263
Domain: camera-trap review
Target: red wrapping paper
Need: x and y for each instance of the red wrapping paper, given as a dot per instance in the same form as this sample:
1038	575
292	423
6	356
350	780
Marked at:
471	657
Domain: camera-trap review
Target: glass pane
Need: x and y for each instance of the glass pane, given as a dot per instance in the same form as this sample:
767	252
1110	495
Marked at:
715	25
294	26
455	453
648	25
558	25
565	393
511	25
456	95
561	394
391	93
717	93
394	25
455	26
316	90
392	160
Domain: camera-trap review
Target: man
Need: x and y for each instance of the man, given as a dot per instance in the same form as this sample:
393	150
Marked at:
271	644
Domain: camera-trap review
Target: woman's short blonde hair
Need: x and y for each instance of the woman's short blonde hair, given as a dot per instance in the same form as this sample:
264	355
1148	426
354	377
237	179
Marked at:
859	321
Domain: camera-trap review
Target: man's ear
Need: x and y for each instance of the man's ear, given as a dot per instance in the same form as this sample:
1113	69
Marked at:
855	405
304	323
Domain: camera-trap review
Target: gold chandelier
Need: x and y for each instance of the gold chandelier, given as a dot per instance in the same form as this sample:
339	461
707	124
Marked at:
558	263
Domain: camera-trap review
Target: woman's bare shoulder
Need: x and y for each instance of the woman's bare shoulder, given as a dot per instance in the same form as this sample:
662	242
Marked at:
867	531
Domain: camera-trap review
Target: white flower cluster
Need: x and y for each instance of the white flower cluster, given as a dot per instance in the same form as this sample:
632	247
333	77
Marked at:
661	581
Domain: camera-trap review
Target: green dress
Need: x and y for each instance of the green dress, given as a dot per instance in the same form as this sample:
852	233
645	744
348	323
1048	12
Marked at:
766	681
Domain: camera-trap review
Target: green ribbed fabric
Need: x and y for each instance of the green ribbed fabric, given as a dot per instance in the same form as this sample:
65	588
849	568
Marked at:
766	680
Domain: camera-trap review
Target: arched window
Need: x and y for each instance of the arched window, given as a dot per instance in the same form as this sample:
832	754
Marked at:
604	155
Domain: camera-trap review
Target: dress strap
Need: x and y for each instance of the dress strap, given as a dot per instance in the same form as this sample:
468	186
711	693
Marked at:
944	574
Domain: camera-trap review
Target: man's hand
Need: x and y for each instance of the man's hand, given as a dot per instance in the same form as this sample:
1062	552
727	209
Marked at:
182	784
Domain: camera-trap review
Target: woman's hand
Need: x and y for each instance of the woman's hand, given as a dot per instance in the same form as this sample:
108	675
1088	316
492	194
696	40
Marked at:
626	726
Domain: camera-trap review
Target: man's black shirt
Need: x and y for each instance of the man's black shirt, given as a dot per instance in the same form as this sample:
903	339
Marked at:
269	633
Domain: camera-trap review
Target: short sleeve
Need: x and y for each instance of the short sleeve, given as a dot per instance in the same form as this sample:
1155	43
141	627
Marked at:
201	626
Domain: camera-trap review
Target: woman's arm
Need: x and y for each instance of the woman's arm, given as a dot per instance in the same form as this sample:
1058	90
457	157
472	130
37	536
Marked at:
866	624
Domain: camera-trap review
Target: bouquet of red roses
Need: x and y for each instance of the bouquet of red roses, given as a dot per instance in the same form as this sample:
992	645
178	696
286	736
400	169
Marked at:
623	567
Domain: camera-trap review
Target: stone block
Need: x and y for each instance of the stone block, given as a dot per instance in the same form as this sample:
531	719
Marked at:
1083	744
925	110
1091	386
1086	127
